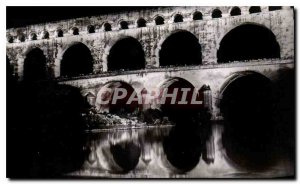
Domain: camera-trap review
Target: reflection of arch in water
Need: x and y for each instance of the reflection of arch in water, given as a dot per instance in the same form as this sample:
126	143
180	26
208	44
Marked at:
183	148
117	152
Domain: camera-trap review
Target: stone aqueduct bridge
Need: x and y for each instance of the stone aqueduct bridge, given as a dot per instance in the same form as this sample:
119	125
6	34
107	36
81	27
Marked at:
148	31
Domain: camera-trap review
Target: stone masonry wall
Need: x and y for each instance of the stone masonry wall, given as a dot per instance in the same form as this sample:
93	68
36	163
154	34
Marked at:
209	32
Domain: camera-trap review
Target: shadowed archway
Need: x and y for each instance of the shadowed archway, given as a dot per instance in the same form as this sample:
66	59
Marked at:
105	98
35	65
247	106
77	60
180	109
248	42
179	49
126	54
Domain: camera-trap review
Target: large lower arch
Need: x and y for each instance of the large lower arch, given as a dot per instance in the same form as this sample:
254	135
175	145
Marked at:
182	106
77	60
247	107
35	65
179	49
248	42
126	54
105	102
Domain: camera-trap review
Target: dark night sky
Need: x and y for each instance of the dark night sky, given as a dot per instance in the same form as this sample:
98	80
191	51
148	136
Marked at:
18	16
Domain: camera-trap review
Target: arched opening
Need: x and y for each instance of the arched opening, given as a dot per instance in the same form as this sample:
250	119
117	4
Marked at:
75	31
33	36
254	9
247	107
108	102
60	33
178	18
21	37
91	29
159	20
35	65
179	49
247	42
141	22
197	16
273	8
45	35
126	54
181	108
235	11
10	39
90	99
77	60
107	27
123	25
216	13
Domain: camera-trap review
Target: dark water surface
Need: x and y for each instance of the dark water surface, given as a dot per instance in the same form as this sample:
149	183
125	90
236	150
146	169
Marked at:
168	152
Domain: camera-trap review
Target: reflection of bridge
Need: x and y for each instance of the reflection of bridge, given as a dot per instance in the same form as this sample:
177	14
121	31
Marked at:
209	46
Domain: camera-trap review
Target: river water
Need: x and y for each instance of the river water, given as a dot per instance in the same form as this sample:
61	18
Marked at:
167	152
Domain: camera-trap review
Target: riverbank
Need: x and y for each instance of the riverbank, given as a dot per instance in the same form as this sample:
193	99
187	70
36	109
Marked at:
101	121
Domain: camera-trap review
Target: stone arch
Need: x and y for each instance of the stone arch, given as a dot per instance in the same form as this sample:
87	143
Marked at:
177	111
107	27
76	60
91	29
248	41
229	79
235	11
126	49
159	20
254	9
141	22
247	108
32	36
189	43
197	15
45	35
35	67
21	37
75	31
9	39
273	8
59	33
216	13
123	24
177	18
104	98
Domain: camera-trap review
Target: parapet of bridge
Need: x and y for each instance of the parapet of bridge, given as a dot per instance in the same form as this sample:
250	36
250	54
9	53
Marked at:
157	40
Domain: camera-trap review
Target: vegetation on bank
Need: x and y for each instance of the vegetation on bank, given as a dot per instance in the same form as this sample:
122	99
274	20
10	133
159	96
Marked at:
96	120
